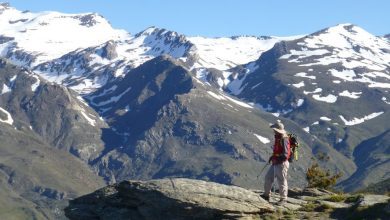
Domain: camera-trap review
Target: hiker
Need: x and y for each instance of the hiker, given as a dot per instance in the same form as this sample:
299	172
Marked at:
280	164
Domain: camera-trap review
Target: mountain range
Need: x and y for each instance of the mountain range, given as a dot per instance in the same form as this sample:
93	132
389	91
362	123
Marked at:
83	104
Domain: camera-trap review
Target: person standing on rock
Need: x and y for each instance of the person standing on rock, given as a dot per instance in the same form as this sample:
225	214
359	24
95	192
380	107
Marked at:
280	164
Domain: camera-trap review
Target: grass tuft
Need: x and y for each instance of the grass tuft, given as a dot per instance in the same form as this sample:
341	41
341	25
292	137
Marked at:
336	198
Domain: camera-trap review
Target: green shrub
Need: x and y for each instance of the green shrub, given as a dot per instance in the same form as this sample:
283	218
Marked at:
318	178
308	207
353	198
336	198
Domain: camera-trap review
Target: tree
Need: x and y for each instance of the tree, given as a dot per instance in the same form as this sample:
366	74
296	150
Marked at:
319	178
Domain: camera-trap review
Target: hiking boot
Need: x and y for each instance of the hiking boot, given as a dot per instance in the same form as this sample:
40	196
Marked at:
266	198
282	202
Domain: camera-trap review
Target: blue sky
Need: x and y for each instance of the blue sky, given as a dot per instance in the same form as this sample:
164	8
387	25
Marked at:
214	18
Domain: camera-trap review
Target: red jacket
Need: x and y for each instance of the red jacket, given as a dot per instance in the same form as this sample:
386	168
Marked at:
282	149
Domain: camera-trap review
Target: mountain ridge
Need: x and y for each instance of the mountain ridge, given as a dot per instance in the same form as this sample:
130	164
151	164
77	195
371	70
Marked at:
161	104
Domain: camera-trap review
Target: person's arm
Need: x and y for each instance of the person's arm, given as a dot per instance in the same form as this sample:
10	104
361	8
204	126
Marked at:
285	149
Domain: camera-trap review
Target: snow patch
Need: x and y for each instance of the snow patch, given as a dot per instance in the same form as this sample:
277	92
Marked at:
82	100
317	90
202	74
384	99
35	85
323	118
262	139
243	104
347	75
12	79
90	120
253	87
236	85
5	89
223	53
304	53
299	85
356	121
304	75
112	99
329	98
352	95
300	102
9	119
219	97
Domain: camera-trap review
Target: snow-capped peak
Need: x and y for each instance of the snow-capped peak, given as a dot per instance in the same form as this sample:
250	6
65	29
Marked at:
347	44
224	53
346	36
49	35
157	31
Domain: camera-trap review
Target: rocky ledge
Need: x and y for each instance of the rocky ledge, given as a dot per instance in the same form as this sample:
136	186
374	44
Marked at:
196	199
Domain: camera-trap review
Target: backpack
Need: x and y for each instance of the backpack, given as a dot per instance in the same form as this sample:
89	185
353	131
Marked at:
294	145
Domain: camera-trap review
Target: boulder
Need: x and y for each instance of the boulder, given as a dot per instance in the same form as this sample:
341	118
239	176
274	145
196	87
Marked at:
169	199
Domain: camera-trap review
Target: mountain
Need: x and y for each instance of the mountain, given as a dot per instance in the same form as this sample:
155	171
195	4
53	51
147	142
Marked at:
159	103
90	68
38	127
55	113
166	122
87	69
318	81
32	38
85	63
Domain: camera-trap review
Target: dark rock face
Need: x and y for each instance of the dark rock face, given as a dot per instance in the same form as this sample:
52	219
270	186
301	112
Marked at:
164	123
52	111
169	199
109	50
5	39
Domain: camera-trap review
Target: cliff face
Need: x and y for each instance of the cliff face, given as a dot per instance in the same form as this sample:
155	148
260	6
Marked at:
197	199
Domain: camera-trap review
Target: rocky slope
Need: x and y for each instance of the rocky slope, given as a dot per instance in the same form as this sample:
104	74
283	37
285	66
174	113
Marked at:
36	179
43	126
53	112
165	122
195	199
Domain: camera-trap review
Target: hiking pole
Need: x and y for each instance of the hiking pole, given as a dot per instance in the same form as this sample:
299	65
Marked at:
262	170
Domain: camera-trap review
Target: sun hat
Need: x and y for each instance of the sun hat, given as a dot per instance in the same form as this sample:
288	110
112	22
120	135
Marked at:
278	127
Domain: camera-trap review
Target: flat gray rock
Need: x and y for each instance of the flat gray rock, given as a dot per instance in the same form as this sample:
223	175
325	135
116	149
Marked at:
369	200
337	205
169	199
